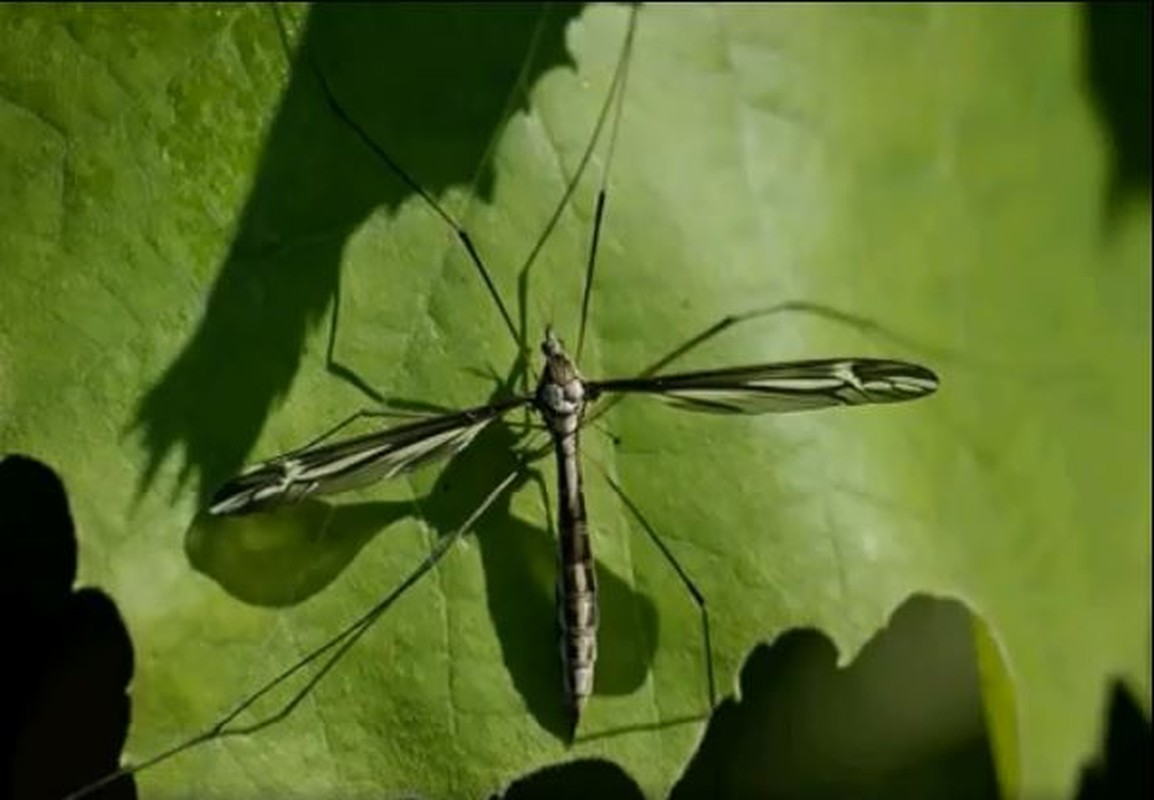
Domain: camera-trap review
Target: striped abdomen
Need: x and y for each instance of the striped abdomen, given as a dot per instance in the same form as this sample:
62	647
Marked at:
576	581
561	400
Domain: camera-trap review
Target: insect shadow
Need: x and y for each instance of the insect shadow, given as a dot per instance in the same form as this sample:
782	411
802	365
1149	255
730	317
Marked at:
516	556
314	187
284	556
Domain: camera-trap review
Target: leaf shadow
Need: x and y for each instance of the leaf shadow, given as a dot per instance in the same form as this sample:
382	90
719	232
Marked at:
64	705
903	720
1117	42
590	777
1122	769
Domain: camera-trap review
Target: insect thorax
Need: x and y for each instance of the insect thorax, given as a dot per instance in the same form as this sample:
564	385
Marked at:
561	390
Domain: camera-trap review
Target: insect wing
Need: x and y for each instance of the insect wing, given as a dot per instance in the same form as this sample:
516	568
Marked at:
784	387
355	462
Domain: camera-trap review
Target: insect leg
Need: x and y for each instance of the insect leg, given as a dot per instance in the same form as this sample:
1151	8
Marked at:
459	231
616	98
328	653
694	592
334	367
364	413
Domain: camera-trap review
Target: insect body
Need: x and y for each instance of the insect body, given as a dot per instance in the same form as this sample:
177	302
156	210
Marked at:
560	399
563	400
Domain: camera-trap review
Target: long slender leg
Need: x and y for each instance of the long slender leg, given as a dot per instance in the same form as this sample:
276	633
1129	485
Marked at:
695	593
334	367
518	333
331	652
542	485
601	428
589	268
863	324
460	232
348	375
617	96
615	92
366	413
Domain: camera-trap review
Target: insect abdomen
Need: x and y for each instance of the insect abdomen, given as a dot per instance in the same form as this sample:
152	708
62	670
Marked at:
577	616
576	578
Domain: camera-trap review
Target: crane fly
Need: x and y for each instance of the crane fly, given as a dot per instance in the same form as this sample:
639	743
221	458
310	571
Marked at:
565	402
561	399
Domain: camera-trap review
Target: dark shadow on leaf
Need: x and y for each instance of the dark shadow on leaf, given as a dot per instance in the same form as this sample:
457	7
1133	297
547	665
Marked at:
520	564
904	720
64	709
1117	39
282	557
577	779
431	85
519	561
1122	771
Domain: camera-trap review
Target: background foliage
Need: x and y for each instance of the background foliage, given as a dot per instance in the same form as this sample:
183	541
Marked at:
181	211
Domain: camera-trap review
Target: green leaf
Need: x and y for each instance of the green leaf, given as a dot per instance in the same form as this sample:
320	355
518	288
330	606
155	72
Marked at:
180	208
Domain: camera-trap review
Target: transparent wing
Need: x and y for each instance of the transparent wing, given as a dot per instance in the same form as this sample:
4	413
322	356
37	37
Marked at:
354	462
784	387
